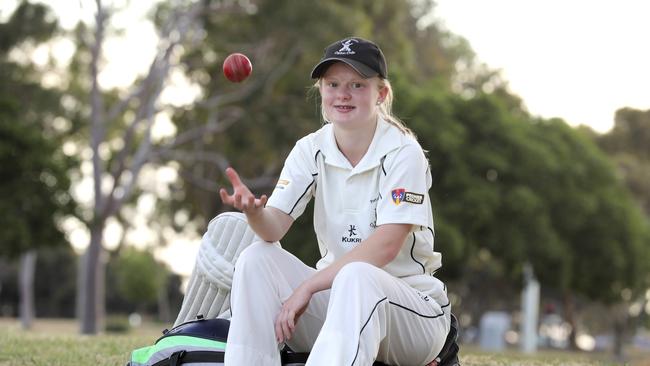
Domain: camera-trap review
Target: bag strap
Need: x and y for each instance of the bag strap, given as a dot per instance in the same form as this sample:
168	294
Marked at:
448	356
294	357
181	357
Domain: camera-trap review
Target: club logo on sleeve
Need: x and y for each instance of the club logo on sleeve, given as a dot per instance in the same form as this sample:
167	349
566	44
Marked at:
400	195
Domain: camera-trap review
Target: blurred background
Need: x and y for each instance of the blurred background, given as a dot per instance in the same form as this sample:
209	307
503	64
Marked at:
116	125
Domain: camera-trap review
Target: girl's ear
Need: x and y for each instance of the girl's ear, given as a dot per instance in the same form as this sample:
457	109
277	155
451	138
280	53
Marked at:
383	92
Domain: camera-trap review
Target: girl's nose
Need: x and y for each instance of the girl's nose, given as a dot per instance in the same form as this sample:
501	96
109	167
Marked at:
344	94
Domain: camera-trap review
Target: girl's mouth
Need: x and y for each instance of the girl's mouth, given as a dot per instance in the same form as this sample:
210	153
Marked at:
344	108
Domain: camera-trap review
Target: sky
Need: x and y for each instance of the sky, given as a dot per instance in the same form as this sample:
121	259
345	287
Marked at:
579	60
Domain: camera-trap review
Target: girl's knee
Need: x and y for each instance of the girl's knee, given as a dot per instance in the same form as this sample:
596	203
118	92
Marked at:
357	271
254	254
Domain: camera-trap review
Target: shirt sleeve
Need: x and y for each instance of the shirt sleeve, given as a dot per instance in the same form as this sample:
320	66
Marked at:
297	182
404	189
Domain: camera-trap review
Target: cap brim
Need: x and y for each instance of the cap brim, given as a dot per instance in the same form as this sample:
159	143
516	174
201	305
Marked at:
359	67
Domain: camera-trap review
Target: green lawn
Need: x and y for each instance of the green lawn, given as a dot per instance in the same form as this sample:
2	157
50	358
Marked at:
57	343
54	342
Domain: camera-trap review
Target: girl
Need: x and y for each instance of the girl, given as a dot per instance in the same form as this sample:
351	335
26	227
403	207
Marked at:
372	295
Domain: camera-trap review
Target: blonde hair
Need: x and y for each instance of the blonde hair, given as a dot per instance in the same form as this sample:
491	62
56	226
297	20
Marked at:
385	108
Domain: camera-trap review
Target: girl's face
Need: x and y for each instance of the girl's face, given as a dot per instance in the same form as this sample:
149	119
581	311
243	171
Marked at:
350	100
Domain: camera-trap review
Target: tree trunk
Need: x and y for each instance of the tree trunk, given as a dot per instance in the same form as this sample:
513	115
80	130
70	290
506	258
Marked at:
620	316
91	298
569	317
26	285
164	309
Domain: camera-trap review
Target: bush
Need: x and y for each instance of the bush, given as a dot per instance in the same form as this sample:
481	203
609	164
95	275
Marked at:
117	324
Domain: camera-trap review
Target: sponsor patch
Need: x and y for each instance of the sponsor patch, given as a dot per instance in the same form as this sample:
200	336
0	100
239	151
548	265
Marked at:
400	195
416	198
282	183
352	236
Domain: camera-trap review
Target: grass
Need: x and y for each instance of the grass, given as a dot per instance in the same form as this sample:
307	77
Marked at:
470	355
57	343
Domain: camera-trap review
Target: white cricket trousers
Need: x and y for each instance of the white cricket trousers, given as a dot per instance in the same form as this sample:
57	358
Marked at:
368	314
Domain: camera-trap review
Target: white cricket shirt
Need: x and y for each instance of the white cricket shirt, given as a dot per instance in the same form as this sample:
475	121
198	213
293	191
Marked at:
389	185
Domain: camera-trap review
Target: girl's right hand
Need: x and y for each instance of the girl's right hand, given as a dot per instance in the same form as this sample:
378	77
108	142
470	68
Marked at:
292	309
242	198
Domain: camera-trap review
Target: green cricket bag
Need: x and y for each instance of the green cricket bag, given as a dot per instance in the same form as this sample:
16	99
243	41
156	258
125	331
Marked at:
202	342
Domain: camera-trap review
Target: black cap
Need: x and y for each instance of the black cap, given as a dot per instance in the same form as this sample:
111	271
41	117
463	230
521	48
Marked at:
362	55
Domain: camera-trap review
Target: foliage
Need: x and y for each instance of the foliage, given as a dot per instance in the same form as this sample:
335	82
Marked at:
33	185
139	277
516	189
631	134
597	217
117	324
55	285
33	170
126	292
629	145
28	23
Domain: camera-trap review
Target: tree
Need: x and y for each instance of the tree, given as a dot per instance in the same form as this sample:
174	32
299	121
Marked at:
139	278
33	172
118	125
33	185
125	118
510	189
628	144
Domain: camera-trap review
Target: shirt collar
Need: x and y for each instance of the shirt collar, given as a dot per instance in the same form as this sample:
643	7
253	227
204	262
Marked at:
386	139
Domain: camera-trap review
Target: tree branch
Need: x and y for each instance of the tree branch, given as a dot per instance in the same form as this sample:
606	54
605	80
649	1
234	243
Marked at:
212	126
193	156
97	121
175	32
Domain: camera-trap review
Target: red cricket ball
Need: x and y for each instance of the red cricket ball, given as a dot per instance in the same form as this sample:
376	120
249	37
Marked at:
237	67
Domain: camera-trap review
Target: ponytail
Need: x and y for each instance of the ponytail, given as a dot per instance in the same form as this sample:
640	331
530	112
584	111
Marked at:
386	110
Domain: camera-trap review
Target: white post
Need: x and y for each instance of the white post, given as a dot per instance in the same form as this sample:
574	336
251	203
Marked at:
529	311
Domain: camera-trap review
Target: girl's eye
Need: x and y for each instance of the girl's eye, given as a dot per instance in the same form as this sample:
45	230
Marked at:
332	84
357	85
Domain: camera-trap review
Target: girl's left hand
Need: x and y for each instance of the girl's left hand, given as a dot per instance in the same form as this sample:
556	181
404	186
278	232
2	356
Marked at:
292	309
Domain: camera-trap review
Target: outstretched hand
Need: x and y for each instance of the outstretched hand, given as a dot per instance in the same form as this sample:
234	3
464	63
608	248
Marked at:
242	198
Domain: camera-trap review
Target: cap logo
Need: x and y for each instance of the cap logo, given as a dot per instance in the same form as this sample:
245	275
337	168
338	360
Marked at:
345	49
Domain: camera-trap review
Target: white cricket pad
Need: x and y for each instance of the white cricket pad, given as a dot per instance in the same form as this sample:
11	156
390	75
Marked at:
208	290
